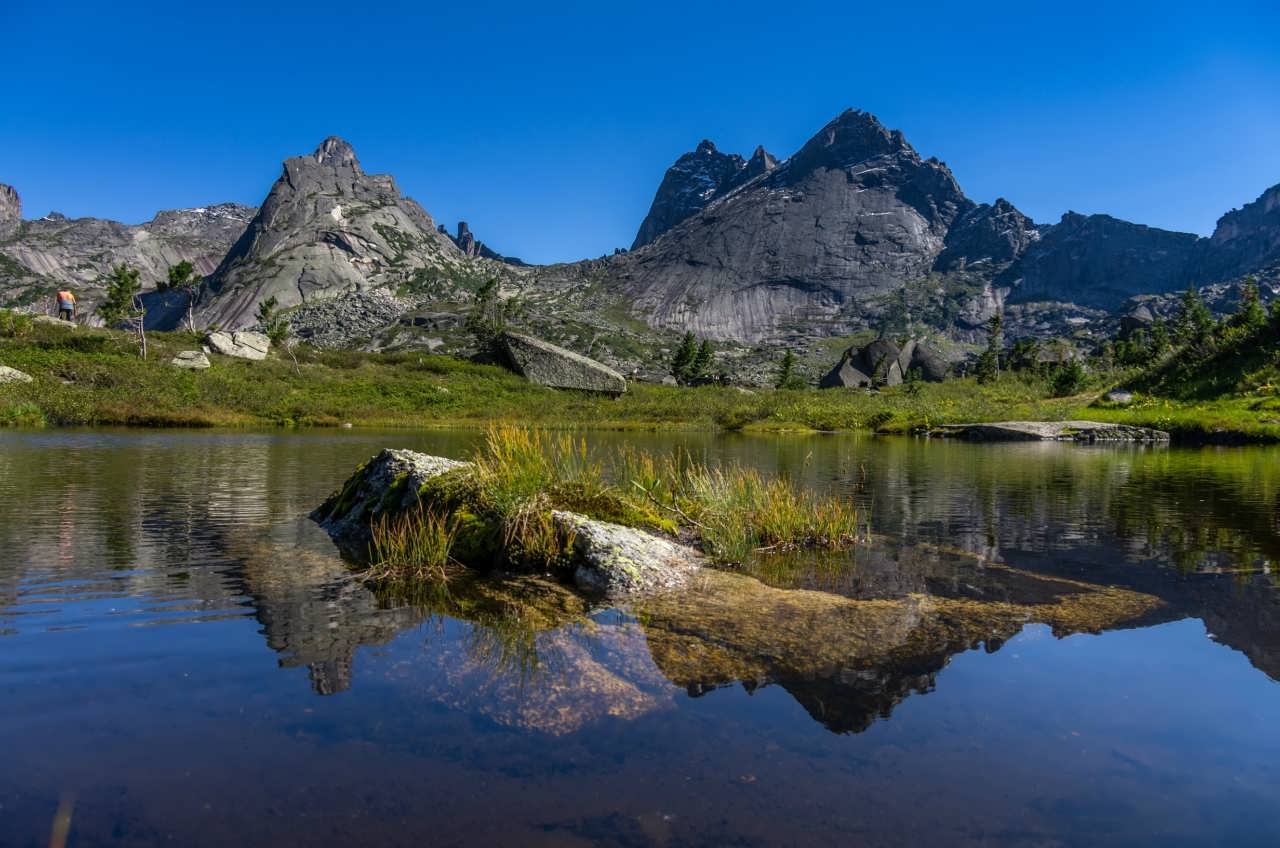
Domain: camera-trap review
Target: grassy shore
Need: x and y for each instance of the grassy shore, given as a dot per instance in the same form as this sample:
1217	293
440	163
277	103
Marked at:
95	377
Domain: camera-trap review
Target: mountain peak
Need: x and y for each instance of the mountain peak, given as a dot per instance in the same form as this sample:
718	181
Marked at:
335	151
851	137
705	147
10	204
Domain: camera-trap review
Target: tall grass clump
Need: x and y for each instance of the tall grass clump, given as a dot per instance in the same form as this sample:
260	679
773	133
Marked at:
416	544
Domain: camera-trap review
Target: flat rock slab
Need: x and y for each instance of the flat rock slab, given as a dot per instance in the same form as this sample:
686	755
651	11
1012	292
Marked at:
54	322
194	360
551	365
618	561
1051	431
244	344
13	375
389	482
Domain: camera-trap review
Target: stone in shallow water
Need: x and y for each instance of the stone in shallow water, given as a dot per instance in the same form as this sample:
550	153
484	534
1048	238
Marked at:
614	560
551	365
194	360
245	344
1052	431
13	375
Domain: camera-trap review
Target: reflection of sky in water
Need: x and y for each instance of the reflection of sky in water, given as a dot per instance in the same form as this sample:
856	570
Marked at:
152	583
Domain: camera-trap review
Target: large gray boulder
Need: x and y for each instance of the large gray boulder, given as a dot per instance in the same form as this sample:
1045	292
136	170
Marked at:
390	482
616	561
244	344
13	375
551	365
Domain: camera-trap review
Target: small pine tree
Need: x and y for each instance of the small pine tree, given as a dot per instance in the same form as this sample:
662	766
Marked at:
275	325
682	362
1069	378
988	367
183	278
487	320
1251	316
121	303
701	367
787	376
1195	321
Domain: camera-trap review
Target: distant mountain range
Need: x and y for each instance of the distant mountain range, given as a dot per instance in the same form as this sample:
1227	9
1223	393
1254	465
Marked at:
853	230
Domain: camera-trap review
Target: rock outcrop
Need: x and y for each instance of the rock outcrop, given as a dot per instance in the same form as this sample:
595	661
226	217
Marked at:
389	482
1244	240
244	344
10	209
40	255
882	363
694	181
614	560
606	559
325	229
551	365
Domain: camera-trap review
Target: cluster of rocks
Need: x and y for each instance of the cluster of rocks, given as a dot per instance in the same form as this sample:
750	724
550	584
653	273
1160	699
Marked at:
883	363
349	319
607	559
242	344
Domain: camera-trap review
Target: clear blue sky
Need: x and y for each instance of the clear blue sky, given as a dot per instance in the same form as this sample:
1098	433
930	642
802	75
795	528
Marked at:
548	126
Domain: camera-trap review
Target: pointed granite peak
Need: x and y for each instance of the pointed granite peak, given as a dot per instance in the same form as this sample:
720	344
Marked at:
705	147
851	137
336	152
10	204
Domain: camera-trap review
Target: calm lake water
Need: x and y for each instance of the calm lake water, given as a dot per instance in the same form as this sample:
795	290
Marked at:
1042	645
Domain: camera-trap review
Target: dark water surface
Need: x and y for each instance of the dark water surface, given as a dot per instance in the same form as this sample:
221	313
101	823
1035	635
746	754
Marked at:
1043	645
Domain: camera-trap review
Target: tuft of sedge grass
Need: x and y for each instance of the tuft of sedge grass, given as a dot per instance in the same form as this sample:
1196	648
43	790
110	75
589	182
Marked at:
413	545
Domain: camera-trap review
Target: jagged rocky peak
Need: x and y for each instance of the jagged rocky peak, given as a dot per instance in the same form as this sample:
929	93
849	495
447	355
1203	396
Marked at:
850	138
335	151
10	205
694	181
325	229
988	237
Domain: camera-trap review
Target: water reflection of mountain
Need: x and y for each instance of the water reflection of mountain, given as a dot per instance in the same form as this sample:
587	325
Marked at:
973	542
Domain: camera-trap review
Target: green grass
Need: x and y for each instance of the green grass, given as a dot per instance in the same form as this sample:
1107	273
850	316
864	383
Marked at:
497	512
95	377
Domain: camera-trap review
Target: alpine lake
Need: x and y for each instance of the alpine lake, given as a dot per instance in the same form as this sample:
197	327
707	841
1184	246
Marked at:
1036	645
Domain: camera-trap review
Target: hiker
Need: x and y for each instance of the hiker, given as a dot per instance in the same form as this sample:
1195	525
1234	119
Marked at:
66	305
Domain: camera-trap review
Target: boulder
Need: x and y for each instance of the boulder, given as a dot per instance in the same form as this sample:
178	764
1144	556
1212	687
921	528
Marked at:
1118	396
13	375
882	363
244	344
194	360
614	560
388	482
1137	318
551	365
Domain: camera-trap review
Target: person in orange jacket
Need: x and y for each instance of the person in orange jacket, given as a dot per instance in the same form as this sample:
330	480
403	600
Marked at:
66	305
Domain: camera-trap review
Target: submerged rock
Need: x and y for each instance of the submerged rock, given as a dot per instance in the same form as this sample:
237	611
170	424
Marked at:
244	344
614	560
194	360
13	375
551	365
1052	431
389	482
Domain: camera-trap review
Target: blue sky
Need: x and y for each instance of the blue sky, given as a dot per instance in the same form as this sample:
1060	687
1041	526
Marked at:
548	126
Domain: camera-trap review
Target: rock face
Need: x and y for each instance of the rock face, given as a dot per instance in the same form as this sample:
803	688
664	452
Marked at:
244	344
987	239
882	363
10	209
1052	431
193	360
1101	261
846	220
389	482
13	375
325	229
694	181
39	256
550	365
615	561
1245	239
